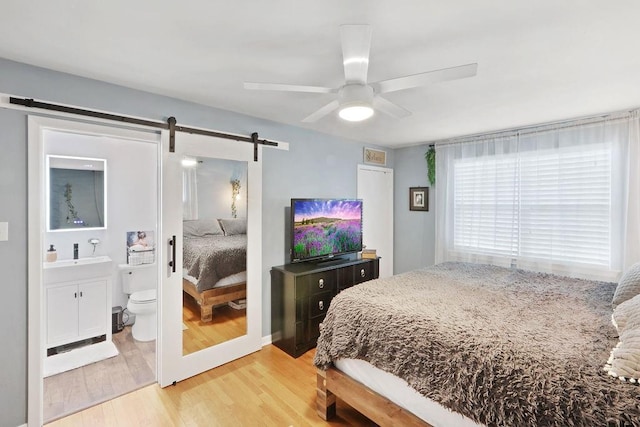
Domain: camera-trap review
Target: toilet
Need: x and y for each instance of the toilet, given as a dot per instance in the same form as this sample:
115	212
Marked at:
142	299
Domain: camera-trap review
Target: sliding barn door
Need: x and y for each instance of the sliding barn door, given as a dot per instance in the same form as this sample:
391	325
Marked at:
206	322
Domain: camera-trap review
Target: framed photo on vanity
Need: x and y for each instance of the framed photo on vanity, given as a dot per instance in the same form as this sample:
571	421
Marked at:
419	198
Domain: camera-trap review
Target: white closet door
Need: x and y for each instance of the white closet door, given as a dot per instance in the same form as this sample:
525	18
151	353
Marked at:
175	364
375	188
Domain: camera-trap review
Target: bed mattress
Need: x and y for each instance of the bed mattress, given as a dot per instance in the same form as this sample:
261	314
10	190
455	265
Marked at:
399	392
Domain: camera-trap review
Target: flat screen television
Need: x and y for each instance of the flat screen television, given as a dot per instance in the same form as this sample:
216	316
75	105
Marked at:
325	228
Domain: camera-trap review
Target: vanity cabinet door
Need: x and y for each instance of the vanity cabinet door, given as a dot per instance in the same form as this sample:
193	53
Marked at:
62	315
76	312
92	319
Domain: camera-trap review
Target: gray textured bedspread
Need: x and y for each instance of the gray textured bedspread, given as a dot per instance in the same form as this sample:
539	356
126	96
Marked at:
212	258
502	347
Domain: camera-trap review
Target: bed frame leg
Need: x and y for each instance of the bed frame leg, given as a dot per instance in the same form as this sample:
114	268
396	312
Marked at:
325	400
206	313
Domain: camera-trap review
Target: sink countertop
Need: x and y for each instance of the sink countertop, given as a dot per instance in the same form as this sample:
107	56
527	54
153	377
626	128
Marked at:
76	262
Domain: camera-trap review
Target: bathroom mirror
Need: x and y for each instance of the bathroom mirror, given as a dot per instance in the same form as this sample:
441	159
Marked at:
214	252
76	193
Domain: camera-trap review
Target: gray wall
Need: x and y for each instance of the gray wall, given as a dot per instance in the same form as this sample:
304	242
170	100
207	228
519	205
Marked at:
214	188
13	268
315	166
414	231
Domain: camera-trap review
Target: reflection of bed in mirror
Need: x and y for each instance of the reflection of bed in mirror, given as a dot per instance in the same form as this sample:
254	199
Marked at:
215	262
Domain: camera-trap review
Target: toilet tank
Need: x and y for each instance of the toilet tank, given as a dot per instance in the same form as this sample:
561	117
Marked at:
137	277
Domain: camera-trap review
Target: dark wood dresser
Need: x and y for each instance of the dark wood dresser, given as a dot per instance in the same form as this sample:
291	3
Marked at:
301	294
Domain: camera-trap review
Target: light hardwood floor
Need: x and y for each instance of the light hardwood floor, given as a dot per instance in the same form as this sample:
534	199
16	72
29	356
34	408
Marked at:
227	324
266	388
80	388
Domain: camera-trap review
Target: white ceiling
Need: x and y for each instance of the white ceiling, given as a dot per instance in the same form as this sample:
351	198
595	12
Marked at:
538	61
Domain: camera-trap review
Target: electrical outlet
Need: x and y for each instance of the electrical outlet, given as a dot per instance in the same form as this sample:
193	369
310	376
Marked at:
4	231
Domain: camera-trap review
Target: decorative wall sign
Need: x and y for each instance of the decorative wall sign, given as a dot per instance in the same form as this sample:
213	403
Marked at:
375	157
419	198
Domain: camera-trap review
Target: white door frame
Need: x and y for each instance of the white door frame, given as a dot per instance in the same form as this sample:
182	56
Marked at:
36	348
173	366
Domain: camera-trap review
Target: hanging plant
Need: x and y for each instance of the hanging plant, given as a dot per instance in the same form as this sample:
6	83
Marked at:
430	156
235	193
72	214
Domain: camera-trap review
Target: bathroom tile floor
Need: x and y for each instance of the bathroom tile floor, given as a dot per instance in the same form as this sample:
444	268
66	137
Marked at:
72	391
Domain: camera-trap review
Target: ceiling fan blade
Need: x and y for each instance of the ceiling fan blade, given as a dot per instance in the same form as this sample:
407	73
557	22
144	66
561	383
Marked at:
388	107
356	40
318	114
422	79
288	88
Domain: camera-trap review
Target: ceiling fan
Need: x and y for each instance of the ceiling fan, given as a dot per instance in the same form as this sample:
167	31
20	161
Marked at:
358	99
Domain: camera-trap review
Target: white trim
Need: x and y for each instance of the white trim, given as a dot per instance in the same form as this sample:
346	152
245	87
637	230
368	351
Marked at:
35	215
266	340
36	226
375	168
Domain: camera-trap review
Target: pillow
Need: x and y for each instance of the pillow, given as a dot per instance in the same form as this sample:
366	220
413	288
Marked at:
233	226
624	362
629	285
201	228
623	312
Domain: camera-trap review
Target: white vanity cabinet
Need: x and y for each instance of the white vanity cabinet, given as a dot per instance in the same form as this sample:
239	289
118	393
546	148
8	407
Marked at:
76	311
77	305
77	300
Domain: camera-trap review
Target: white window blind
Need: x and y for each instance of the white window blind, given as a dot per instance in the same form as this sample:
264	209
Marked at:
539	205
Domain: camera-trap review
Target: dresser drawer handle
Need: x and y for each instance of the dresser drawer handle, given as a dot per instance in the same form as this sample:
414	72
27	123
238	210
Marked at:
321	305
321	283
362	273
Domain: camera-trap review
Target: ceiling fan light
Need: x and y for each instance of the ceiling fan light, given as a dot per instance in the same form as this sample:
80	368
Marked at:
355	113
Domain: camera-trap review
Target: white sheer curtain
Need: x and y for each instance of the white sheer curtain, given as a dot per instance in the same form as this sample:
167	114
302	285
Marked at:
189	193
558	198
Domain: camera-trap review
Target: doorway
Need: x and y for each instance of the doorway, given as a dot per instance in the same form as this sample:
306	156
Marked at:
375	188
89	185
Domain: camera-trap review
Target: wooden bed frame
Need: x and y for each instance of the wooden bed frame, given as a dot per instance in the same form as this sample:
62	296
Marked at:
334	383
207	299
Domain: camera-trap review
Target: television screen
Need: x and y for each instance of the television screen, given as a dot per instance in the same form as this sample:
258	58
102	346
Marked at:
325	227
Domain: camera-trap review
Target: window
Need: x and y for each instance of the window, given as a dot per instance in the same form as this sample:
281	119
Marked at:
545	205
556	198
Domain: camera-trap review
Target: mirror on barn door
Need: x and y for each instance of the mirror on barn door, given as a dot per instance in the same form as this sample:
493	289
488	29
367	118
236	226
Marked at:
211	224
214	251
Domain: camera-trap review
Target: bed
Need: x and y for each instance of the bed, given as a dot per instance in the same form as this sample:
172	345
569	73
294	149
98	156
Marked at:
214	262
485	345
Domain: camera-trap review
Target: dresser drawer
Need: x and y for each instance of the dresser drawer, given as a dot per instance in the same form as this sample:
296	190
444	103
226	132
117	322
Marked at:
319	303
312	284
363	272
354	274
314	331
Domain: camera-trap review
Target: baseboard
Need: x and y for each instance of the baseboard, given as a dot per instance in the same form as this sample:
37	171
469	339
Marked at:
266	340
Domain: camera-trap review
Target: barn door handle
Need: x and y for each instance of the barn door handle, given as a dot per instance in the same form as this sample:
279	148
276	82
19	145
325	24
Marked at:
172	263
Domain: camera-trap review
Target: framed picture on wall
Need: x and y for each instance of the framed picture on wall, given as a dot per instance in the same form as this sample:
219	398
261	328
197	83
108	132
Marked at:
375	157
419	198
